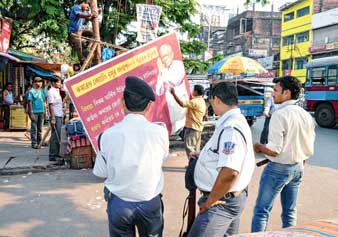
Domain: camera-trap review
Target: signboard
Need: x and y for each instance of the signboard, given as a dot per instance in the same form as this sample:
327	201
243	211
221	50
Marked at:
269	74
266	62
148	17
258	52
97	92
5	35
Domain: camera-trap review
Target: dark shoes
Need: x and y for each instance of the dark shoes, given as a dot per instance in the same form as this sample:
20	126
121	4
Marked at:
58	160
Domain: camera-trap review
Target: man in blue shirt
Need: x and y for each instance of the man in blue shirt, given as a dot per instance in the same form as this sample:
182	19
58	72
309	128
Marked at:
76	19
37	110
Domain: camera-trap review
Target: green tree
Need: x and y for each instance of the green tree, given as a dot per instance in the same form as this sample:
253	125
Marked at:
31	19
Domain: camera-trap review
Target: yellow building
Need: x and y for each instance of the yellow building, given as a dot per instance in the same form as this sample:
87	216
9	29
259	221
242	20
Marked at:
295	40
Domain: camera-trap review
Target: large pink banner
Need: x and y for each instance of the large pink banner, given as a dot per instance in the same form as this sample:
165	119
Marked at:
97	92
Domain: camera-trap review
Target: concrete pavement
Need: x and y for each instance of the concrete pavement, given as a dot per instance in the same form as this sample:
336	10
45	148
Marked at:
15	147
70	202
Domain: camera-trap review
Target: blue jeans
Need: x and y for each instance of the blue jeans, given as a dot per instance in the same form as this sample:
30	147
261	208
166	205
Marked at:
54	146
124	216
36	128
220	220
277	178
6	117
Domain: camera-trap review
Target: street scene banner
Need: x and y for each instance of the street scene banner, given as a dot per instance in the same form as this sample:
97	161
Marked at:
97	92
148	17
5	35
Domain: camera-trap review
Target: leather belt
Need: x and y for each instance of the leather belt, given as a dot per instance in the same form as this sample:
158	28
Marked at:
228	195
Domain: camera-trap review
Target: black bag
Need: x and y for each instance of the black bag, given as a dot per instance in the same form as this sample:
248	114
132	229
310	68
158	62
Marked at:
189	175
190	171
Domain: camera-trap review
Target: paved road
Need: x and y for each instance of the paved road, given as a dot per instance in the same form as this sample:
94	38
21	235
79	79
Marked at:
70	202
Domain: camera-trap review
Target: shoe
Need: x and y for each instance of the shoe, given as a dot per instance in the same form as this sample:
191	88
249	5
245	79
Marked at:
35	146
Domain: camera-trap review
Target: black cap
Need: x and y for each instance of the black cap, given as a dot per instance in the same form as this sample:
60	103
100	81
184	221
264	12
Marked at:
37	79
139	87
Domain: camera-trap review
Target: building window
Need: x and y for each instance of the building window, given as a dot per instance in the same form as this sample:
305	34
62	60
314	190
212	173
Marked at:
215	20
300	63
286	64
303	11
302	37
318	76
332	75
288	40
288	17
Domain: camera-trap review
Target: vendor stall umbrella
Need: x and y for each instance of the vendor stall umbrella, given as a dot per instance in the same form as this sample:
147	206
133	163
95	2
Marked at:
239	64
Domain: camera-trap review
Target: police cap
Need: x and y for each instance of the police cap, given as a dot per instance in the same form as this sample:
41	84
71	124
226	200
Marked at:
137	86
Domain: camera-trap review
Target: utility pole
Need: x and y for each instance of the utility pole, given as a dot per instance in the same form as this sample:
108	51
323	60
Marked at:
96	30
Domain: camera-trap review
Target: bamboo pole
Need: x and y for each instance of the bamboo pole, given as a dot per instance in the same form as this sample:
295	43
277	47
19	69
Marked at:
96	30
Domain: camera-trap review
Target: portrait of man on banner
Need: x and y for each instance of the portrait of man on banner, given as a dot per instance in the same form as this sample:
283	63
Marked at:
171	74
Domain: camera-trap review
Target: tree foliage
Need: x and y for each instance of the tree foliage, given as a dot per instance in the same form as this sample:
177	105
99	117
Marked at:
43	25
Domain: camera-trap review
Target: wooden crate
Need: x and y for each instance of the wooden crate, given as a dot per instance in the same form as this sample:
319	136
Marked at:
18	118
81	157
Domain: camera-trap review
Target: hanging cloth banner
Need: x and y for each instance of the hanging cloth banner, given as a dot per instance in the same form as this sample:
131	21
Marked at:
5	35
148	17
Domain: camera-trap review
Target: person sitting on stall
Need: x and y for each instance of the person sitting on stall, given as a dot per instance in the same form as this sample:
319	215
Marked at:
7	99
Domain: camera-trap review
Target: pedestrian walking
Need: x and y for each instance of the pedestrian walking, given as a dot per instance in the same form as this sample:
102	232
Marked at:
130	159
269	109
224	168
56	115
290	143
37	109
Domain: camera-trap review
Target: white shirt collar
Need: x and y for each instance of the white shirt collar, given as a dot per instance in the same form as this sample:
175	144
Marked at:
132	116
286	103
226	115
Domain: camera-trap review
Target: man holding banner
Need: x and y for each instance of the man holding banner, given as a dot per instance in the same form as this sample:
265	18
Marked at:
130	156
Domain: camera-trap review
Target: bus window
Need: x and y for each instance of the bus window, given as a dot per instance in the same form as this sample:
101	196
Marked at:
332	75
318	76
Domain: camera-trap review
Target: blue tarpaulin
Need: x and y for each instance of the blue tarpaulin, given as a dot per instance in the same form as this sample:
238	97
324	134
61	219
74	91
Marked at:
40	73
214	69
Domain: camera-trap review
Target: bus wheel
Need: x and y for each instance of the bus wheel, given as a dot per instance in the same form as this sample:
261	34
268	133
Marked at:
325	116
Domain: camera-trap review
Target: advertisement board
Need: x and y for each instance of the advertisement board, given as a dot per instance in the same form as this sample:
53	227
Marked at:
5	35
97	92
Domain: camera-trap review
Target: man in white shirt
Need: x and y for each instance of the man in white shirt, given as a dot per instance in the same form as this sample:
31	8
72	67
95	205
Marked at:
130	158
290	143
56	115
224	168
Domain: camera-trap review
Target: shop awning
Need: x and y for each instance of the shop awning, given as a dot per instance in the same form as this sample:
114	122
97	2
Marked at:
40	73
27	59
10	57
24	56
